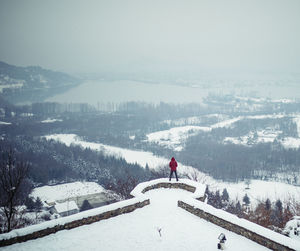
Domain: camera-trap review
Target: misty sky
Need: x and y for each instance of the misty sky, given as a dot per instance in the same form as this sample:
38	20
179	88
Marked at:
91	36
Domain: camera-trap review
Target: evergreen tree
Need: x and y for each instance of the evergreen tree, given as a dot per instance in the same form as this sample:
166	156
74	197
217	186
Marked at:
238	209
246	200
278	206
38	204
218	201
225	195
268	205
207	192
29	203
287	214
278	214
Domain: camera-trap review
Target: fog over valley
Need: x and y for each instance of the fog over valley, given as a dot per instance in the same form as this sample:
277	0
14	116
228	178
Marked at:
97	97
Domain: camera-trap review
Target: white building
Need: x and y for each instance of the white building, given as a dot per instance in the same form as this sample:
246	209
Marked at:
65	208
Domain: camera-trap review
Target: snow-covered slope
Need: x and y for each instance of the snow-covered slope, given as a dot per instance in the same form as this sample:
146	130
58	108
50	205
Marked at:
175	137
131	156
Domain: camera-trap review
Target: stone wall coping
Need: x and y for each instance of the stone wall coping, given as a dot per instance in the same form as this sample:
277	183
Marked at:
233	219
141	187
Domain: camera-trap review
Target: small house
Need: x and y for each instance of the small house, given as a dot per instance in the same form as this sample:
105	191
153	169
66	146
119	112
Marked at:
65	208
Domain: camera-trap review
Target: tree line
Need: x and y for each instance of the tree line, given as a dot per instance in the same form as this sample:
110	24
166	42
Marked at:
273	215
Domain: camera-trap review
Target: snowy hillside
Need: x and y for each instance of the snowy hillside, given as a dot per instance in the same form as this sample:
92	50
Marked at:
160	226
259	190
31	83
175	137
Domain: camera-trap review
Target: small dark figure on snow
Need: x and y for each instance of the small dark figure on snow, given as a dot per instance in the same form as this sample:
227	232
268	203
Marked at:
222	239
173	167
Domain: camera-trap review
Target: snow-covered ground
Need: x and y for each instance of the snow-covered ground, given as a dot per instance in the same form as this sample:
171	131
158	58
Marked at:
139	230
292	228
290	142
297	121
261	136
259	190
12	86
65	191
175	137
4	123
194	120
184	121
49	120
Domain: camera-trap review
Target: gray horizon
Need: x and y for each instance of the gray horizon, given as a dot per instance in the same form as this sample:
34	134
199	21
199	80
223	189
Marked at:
138	35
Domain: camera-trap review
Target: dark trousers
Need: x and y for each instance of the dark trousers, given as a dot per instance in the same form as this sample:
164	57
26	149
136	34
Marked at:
171	174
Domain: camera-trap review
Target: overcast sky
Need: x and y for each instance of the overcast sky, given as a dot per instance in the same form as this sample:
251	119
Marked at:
89	36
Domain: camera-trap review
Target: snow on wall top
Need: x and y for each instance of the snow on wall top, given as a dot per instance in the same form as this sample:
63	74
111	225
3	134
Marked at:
276	237
199	192
67	219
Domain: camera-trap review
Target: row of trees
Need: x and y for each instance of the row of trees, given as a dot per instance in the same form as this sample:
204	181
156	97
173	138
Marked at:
272	215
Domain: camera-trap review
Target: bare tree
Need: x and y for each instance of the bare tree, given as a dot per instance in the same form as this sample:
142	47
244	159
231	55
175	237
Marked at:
14	187
197	176
162	171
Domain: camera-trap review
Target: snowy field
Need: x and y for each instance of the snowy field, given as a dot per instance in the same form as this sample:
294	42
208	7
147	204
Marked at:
138	230
259	190
4	123
175	137
11	86
49	120
65	191
262	136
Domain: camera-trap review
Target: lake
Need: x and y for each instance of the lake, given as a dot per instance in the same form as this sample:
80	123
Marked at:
105	91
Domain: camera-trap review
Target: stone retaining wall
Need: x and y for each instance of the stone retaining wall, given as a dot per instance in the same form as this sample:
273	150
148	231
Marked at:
170	185
234	228
75	223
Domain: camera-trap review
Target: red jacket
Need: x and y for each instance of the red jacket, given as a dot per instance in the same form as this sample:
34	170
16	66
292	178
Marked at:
173	164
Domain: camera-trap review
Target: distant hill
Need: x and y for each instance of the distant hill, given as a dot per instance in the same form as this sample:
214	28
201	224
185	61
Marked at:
32	84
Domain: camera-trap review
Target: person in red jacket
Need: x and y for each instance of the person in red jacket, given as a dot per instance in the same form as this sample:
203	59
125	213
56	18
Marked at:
173	167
